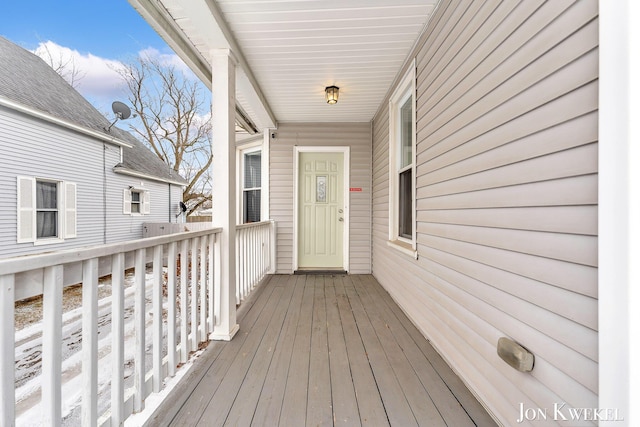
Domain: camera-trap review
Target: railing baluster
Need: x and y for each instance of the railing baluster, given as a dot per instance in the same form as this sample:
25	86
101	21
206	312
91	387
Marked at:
171	318
7	350
184	325
256	257
51	346
203	288
90	342
194	293
249	254
273	256
212	241
117	339
157	318
217	281
242	263
139	325
239	259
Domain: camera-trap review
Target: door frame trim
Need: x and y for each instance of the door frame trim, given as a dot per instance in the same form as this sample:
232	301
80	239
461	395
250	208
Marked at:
345	150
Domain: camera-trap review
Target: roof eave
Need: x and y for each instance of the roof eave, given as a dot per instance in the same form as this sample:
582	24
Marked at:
130	172
61	122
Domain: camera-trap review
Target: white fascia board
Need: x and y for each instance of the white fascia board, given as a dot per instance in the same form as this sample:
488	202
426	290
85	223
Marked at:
130	172
172	34
61	122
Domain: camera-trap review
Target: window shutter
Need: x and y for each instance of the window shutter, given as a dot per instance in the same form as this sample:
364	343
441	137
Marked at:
26	227
146	203
126	202
70	211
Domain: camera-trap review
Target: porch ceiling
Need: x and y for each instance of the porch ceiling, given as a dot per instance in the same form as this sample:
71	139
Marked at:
290	50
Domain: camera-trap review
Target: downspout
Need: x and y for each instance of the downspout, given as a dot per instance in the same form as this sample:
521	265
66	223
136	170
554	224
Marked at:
104	193
170	220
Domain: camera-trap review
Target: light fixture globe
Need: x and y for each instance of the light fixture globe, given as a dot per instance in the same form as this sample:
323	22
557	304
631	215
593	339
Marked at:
331	94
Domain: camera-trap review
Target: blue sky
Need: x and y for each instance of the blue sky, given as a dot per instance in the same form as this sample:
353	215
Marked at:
99	35
109	29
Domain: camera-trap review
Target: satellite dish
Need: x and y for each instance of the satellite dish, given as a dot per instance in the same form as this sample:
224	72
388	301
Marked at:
183	207
121	110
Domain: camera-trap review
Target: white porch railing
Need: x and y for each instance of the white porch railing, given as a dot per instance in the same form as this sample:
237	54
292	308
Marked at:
166	317
255	257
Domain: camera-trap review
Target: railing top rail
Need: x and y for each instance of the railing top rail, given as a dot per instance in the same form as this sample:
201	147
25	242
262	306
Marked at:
33	262
254	224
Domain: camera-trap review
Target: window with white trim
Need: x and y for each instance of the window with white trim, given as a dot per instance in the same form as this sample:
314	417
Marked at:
46	210
402	162
136	202
251	185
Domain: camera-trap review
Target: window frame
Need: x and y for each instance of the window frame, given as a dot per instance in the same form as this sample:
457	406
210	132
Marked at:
241	182
405	91
144	201
27	211
58	228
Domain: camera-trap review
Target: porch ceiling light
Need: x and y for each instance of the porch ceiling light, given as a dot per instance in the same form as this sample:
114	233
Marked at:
331	93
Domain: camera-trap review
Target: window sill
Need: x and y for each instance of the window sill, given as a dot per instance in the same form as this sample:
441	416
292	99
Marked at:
404	247
51	241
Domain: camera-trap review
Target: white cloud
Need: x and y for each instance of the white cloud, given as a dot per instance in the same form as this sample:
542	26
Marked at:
167	59
96	77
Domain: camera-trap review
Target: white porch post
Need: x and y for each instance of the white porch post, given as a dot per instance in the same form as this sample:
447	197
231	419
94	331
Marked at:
223	88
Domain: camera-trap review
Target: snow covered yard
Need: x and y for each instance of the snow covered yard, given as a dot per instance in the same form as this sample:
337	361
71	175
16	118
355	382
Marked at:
28	350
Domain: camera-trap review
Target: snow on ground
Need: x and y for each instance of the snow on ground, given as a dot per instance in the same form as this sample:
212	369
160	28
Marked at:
28	361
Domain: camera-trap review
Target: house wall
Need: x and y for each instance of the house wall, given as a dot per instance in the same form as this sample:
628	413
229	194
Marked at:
357	136
39	149
507	120
165	200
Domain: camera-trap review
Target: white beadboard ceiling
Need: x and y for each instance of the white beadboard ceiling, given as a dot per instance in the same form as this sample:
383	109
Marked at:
290	50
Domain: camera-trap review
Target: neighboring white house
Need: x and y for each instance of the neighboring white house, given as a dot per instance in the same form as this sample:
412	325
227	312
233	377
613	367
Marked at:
65	180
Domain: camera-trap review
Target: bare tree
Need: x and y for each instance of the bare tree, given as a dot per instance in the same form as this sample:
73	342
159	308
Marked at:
174	123
65	66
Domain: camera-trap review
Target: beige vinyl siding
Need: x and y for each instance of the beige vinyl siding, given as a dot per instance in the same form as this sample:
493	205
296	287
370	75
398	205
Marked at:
357	136
507	196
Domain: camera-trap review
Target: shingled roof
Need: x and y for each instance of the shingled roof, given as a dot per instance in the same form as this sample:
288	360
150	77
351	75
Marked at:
27	80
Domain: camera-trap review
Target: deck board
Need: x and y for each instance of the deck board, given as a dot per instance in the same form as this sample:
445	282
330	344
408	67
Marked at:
319	410
370	406
321	350
273	390
294	405
345	405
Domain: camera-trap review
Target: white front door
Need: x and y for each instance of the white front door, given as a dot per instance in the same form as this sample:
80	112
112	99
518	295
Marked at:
321	210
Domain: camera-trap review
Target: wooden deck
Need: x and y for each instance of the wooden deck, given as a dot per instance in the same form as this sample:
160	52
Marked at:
322	350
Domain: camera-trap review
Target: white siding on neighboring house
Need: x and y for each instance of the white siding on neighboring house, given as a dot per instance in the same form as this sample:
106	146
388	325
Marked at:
36	149
41	150
507	120
121	226
357	136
